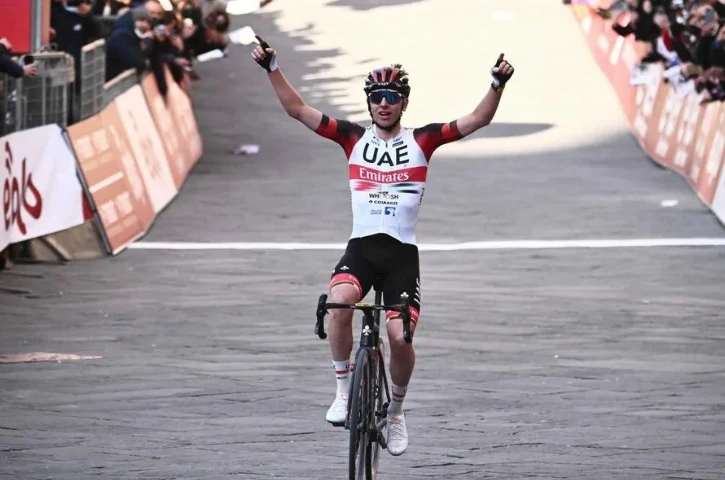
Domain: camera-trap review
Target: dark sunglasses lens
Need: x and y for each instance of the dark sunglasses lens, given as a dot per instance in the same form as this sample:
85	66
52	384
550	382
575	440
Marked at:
391	97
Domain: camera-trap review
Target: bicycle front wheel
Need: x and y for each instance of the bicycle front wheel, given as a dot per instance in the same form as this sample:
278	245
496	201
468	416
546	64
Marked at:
379	403
359	420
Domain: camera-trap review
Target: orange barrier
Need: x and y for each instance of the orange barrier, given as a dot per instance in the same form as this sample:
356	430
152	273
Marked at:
135	155
675	131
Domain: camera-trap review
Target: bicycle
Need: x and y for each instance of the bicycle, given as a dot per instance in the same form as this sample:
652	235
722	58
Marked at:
368	401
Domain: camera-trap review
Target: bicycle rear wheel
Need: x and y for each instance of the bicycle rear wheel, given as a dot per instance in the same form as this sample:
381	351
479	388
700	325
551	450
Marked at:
359	420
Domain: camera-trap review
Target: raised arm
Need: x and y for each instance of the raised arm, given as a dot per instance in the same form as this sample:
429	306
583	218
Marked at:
291	101
486	109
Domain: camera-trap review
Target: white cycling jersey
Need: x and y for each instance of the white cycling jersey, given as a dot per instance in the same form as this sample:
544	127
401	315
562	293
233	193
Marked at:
387	178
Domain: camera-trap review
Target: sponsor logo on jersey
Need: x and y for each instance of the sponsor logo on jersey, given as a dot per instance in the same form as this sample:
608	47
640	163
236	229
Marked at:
383	198
389	211
365	179
373	156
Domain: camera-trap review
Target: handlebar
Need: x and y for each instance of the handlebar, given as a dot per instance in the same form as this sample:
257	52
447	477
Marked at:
403	308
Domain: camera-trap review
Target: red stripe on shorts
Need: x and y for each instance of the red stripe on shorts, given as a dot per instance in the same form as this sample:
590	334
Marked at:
346	278
414	314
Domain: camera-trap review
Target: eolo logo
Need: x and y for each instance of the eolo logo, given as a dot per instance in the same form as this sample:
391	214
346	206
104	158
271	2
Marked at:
16	194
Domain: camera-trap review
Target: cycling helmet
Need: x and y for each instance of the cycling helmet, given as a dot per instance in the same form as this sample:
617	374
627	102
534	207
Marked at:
388	78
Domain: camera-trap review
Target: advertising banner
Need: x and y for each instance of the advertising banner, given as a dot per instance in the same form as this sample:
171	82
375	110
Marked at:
148	150
41	190
173	138
113	179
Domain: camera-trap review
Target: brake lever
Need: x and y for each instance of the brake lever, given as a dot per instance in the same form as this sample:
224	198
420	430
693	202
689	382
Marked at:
321	312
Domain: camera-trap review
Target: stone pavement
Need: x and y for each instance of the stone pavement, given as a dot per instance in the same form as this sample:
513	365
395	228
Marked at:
573	363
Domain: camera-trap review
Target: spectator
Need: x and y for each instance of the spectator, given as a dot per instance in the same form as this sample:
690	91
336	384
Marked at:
209	7
9	66
129	44
209	35
686	35
70	30
190	9
168	50
107	8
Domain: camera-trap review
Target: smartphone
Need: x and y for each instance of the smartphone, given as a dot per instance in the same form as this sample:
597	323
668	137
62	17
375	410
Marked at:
709	16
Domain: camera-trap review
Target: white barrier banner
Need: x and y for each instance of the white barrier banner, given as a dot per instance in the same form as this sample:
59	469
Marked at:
41	191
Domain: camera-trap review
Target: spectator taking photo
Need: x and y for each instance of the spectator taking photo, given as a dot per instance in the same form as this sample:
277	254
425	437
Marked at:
687	37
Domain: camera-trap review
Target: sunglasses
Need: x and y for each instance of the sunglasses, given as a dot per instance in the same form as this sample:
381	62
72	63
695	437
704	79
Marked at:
390	96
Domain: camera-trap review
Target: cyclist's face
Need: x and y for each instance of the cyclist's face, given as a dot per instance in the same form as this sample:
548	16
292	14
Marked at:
385	113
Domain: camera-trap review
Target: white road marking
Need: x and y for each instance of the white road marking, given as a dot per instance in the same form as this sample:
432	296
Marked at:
441	247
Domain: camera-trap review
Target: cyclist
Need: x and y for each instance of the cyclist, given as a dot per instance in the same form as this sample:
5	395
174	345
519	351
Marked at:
387	166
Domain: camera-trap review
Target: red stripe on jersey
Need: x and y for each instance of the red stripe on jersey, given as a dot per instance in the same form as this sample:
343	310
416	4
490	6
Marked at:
372	176
447	133
433	135
328	128
365	186
345	133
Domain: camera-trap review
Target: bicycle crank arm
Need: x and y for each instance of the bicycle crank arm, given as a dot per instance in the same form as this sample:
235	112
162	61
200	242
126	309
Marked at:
381	439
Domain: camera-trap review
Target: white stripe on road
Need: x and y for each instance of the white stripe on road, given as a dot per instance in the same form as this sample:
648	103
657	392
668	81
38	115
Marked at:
440	247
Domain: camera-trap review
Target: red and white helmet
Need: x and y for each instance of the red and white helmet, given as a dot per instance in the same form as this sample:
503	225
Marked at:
388	78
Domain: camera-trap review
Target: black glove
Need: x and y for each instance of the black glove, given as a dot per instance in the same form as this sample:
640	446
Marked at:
266	59
501	72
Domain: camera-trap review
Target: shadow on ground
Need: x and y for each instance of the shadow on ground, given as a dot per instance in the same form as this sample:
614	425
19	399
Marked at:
370	4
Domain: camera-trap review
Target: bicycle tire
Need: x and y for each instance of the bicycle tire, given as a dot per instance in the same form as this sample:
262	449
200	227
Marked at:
380	403
359	418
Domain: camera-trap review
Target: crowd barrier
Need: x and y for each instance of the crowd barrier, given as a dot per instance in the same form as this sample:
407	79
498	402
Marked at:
674	129
33	102
115	170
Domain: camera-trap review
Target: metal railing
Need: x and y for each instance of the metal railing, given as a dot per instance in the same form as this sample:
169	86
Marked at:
119	84
93	77
32	102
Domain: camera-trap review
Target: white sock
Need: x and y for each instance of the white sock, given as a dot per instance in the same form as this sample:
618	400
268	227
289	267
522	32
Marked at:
396	401
342	374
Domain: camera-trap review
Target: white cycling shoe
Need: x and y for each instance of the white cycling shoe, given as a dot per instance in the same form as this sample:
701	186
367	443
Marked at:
397	435
337	413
